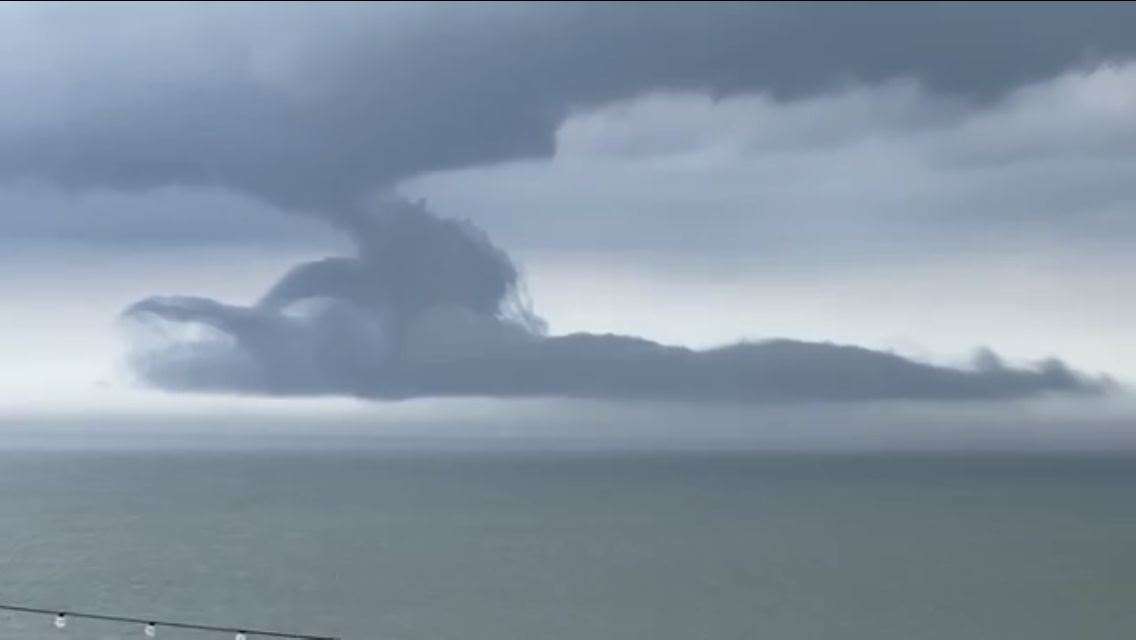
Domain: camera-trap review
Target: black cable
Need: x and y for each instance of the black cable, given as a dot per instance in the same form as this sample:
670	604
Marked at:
164	623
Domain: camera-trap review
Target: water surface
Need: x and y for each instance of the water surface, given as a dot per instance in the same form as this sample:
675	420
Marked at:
581	546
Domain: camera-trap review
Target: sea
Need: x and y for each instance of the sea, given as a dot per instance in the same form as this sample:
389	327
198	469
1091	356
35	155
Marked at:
415	543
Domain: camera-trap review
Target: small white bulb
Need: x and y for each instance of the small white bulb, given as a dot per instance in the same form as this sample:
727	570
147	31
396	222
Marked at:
61	621
150	630
240	636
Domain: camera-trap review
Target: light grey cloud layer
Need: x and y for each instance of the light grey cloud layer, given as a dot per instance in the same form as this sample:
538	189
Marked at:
429	307
867	172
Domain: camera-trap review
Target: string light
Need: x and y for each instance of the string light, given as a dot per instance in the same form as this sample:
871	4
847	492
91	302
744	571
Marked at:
150	627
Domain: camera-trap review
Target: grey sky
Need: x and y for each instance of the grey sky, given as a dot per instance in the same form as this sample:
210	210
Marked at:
840	139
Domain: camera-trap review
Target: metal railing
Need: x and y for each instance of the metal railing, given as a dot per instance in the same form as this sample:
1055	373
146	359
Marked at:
150	626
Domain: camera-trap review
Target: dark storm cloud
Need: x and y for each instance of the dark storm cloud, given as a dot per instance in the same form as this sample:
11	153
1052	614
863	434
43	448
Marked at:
308	107
429	307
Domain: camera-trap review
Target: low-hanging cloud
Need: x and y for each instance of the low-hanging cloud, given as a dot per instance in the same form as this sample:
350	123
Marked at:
430	307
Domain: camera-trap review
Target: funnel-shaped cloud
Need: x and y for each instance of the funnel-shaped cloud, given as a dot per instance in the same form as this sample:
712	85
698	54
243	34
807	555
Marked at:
430	307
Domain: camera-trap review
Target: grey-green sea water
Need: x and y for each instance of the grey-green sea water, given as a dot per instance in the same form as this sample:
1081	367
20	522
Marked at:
581	546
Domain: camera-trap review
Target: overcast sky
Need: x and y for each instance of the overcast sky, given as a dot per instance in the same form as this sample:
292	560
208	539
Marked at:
412	214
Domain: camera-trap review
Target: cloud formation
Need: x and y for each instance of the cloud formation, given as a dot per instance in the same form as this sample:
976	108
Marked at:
309	106
430	307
